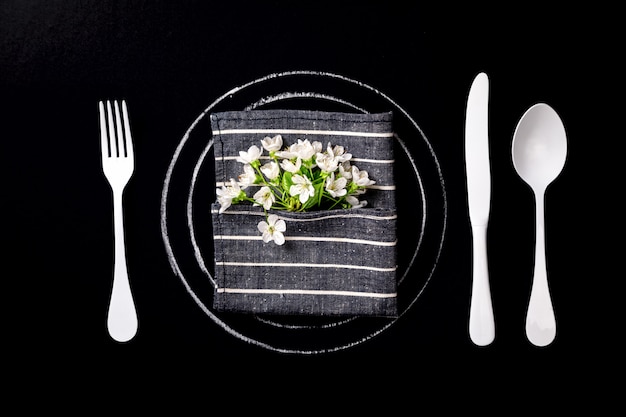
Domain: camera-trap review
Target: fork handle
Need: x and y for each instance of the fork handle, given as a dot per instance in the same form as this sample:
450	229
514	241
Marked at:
122	316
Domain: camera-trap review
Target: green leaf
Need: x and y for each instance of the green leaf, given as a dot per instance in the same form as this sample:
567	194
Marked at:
287	181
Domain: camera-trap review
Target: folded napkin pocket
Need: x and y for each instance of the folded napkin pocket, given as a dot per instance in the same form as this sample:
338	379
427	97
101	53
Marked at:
329	261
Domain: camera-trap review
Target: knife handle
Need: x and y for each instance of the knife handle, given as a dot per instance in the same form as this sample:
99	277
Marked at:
481	321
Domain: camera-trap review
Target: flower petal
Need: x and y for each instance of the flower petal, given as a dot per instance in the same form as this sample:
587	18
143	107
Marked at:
267	236
279	238
262	226
280	226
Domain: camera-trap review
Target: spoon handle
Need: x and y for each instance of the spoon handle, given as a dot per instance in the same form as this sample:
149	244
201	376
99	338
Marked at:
481	322
540	320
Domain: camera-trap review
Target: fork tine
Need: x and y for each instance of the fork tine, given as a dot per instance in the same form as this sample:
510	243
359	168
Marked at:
112	135
128	136
104	141
121	141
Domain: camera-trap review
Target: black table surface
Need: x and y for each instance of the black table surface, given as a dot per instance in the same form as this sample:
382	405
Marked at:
170	60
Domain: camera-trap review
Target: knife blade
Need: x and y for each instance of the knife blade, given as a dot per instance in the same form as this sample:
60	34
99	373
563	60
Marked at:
478	174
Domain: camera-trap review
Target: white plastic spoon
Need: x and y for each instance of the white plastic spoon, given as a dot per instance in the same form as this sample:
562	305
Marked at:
539	152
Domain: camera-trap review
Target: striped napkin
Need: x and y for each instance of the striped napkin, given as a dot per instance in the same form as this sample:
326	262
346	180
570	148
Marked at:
333	262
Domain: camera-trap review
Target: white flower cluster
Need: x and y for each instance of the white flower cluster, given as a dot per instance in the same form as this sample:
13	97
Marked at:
299	177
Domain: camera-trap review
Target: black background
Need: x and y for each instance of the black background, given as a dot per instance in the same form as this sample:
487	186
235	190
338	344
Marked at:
170	60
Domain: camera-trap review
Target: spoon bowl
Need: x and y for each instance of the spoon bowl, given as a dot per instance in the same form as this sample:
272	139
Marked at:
539	152
539	146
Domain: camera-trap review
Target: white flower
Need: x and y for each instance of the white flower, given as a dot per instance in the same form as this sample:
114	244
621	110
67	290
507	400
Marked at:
272	144
329	161
264	197
272	229
361	178
227	193
305	149
270	170
339	152
345	170
303	187
248	177
286	153
253	154
287	165
336	188
326	162
317	147
355	203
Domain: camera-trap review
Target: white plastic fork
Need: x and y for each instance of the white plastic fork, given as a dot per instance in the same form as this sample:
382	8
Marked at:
118	166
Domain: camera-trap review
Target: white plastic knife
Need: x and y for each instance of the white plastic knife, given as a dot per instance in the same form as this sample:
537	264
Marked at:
478	172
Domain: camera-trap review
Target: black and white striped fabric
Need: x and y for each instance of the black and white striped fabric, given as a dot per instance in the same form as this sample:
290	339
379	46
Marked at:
334	262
